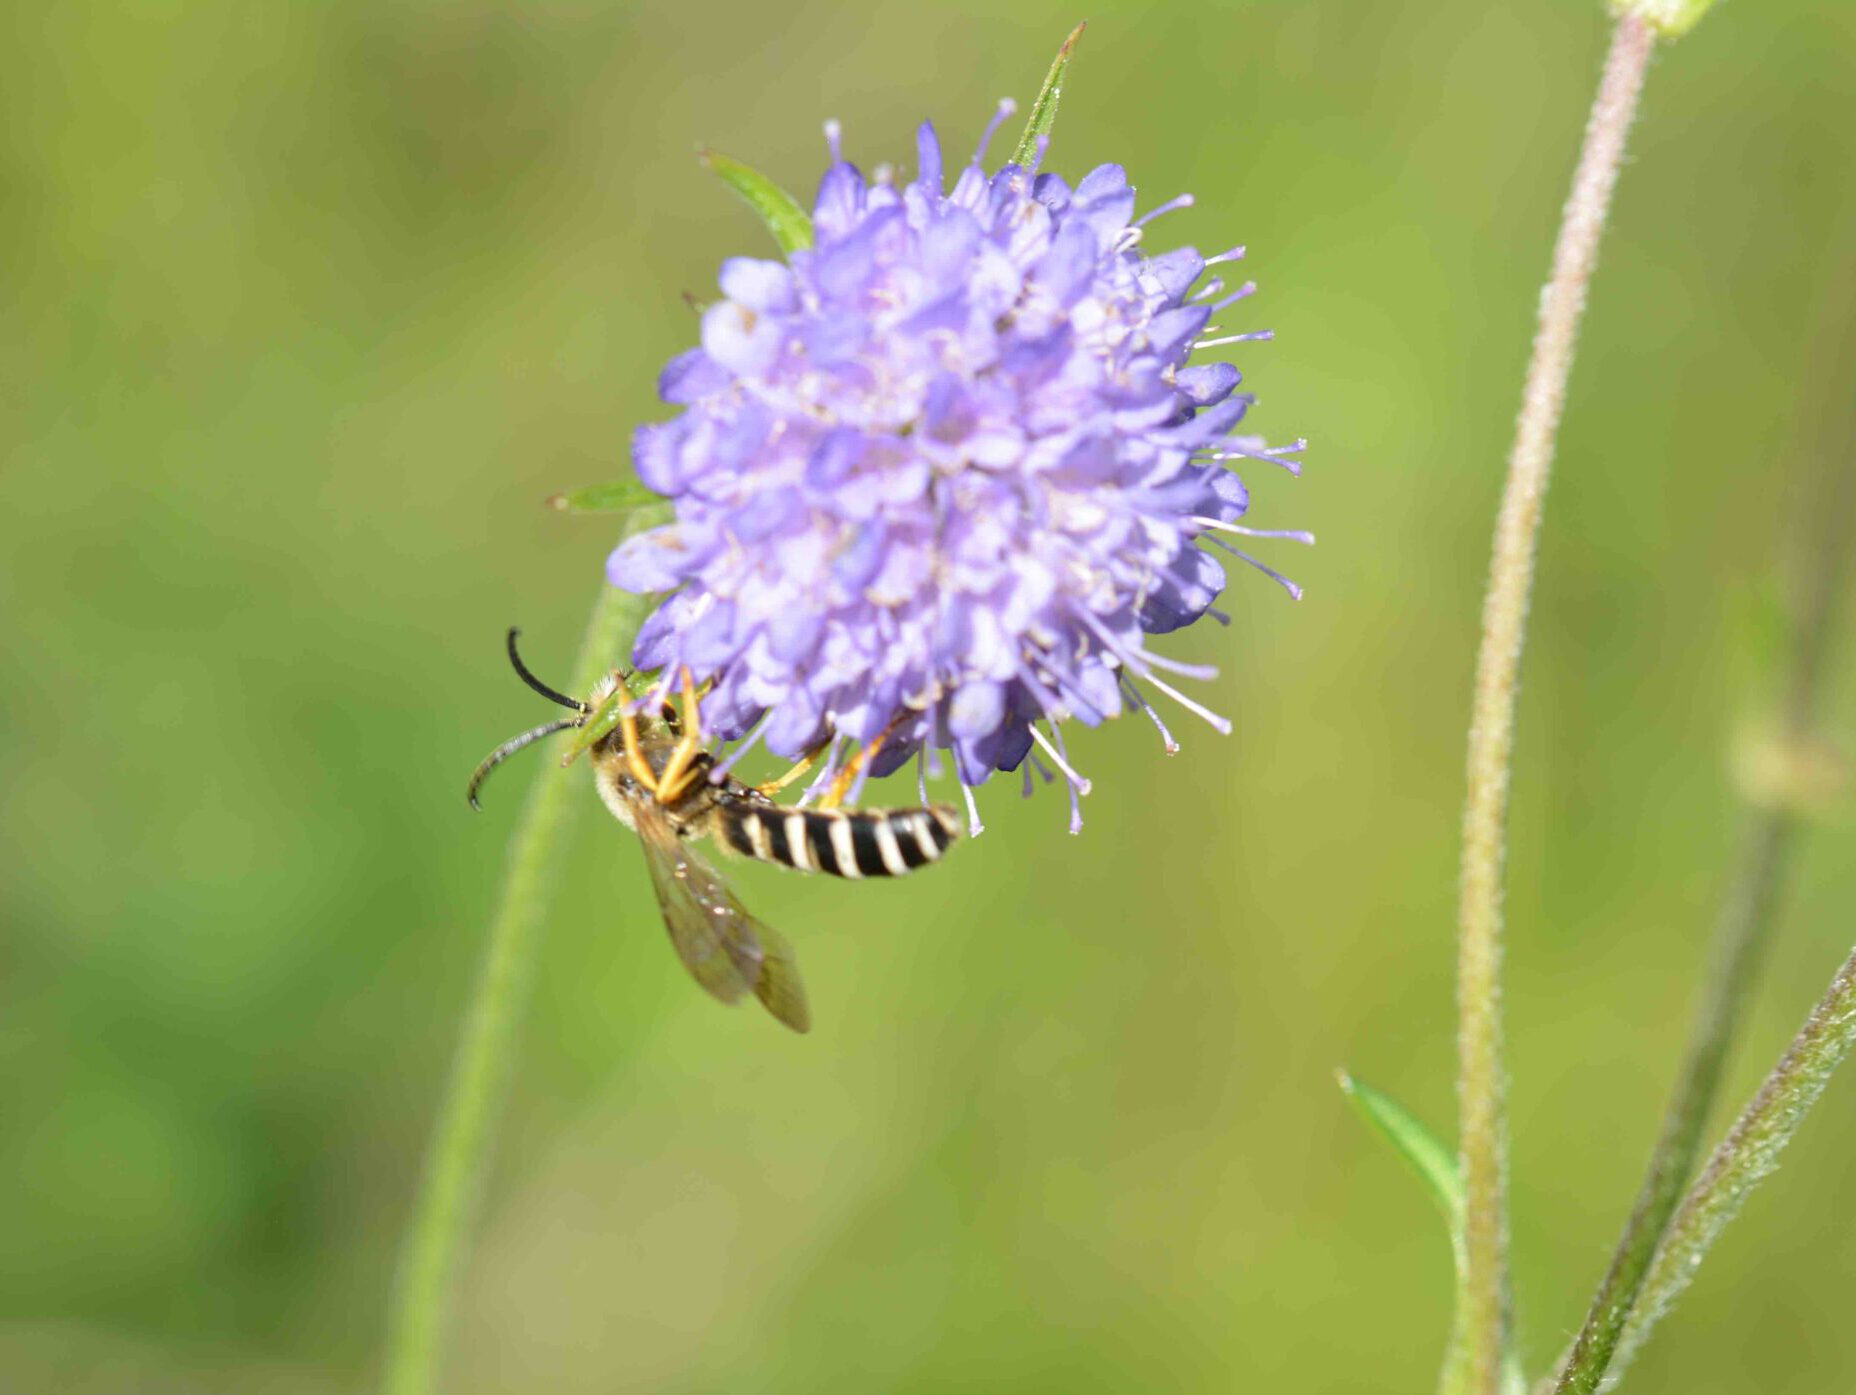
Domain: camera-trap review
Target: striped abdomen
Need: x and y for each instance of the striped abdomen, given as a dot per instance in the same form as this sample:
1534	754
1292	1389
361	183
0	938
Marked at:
841	842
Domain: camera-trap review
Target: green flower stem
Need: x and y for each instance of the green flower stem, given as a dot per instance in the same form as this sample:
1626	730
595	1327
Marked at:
458	1155
1480	1339
1747	1155
1740	941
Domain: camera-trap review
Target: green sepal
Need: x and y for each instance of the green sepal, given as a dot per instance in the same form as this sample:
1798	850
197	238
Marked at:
620	496
603	720
600	724
789	223
1044	109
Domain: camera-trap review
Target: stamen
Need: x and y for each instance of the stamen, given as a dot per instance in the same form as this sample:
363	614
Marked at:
1037	156
1072	693
1300	535
659	692
1047	700
1056	757
863	774
1208	290
1137	663
1127	239
1221	725
1127	684
1294	591
974	826
1076	812
1235	339
827	774
1234	254
1236	451
921	774
1203	672
1182	201
1132	655
719	771
834	138
1249	288
1005	108
1072	696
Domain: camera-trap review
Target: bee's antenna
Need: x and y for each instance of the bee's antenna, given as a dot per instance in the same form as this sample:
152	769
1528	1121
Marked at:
508	749
534	682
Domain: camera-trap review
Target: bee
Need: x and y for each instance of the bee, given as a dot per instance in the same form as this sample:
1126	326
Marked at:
654	773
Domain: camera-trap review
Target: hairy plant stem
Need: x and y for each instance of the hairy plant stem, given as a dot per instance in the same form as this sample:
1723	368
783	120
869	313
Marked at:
1747	915
1740	940
1747	1155
1480	1337
458	1155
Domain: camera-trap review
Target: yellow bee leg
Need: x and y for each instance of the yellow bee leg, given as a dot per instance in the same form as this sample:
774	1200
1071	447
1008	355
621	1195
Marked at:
634	758
679	770
803	764
847	776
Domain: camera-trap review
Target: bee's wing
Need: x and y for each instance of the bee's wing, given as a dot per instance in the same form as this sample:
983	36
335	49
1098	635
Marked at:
725	949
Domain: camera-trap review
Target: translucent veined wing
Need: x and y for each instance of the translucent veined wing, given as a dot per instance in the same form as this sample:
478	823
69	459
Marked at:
725	949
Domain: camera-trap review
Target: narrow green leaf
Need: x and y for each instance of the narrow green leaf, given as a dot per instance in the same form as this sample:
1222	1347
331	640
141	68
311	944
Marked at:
1415	1143
599	723
637	508
1437	1165
1044	109
789	223
616	497
604	719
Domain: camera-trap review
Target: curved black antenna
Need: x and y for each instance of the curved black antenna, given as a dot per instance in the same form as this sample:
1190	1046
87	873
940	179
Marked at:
508	749
534	682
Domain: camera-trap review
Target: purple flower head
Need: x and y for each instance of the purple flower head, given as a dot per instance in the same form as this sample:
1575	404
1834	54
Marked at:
938	477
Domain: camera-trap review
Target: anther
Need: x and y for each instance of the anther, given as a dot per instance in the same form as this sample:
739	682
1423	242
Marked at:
1006	107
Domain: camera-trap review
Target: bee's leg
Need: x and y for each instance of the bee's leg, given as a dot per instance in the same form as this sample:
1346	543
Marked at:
847	776
679	770
673	719
634	758
803	764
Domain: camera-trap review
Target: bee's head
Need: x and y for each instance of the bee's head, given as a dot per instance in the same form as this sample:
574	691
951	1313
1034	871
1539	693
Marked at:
596	718
623	688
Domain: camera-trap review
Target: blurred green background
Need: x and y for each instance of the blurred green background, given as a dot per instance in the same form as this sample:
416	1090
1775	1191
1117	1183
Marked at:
311	305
